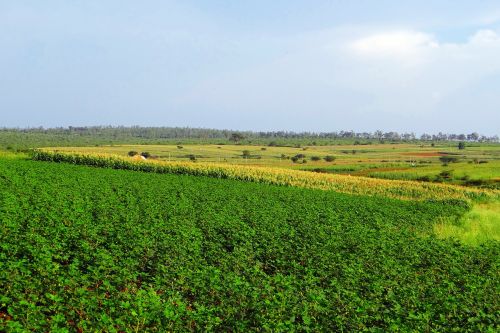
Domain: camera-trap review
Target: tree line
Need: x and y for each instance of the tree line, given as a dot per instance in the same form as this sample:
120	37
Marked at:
206	133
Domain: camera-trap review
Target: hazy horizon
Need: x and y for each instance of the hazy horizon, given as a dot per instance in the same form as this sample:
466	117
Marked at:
258	66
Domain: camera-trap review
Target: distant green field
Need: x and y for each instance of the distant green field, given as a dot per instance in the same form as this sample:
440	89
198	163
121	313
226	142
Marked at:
477	165
90	249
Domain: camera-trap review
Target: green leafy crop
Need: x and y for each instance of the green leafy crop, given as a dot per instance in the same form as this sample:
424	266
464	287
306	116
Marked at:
87	249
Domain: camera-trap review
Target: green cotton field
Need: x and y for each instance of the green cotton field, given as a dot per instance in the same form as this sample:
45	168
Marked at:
86	249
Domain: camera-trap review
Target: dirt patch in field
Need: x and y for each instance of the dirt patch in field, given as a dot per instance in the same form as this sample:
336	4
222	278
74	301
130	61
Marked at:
426	154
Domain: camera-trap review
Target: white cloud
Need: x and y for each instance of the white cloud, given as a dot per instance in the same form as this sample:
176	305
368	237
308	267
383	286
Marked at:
394	44
485	36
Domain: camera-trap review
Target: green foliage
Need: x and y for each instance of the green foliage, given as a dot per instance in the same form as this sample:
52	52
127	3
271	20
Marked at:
448	159
329	158
461	145
353	185
132	153
86	249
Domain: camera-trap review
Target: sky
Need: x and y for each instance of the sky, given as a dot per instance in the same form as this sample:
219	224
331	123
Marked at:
316	65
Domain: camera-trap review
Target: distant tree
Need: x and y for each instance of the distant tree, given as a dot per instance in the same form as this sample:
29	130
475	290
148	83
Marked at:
473	136
461	145
236	137
180	147
272	144
192	157
315	158
263	148
132	153
246	153
329	158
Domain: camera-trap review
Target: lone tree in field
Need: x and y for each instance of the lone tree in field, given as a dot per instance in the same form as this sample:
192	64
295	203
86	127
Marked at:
246	153
461	145
329	158
132	153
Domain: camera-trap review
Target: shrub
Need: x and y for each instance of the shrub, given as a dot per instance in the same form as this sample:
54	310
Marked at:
132	153
329	158
315	158
146	154
448	159
446	174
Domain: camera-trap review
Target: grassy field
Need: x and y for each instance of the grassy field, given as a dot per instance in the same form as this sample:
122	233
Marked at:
477	165
479	225
97	249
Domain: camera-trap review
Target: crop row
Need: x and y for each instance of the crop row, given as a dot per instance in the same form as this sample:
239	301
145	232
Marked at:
408	190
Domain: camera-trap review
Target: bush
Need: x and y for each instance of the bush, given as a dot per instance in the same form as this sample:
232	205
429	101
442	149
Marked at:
180	147
424	179
446	174
448	159
315	158
132	153
146	154
329	158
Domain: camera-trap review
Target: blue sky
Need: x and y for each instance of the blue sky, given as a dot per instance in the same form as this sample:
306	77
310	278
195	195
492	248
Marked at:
256	65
